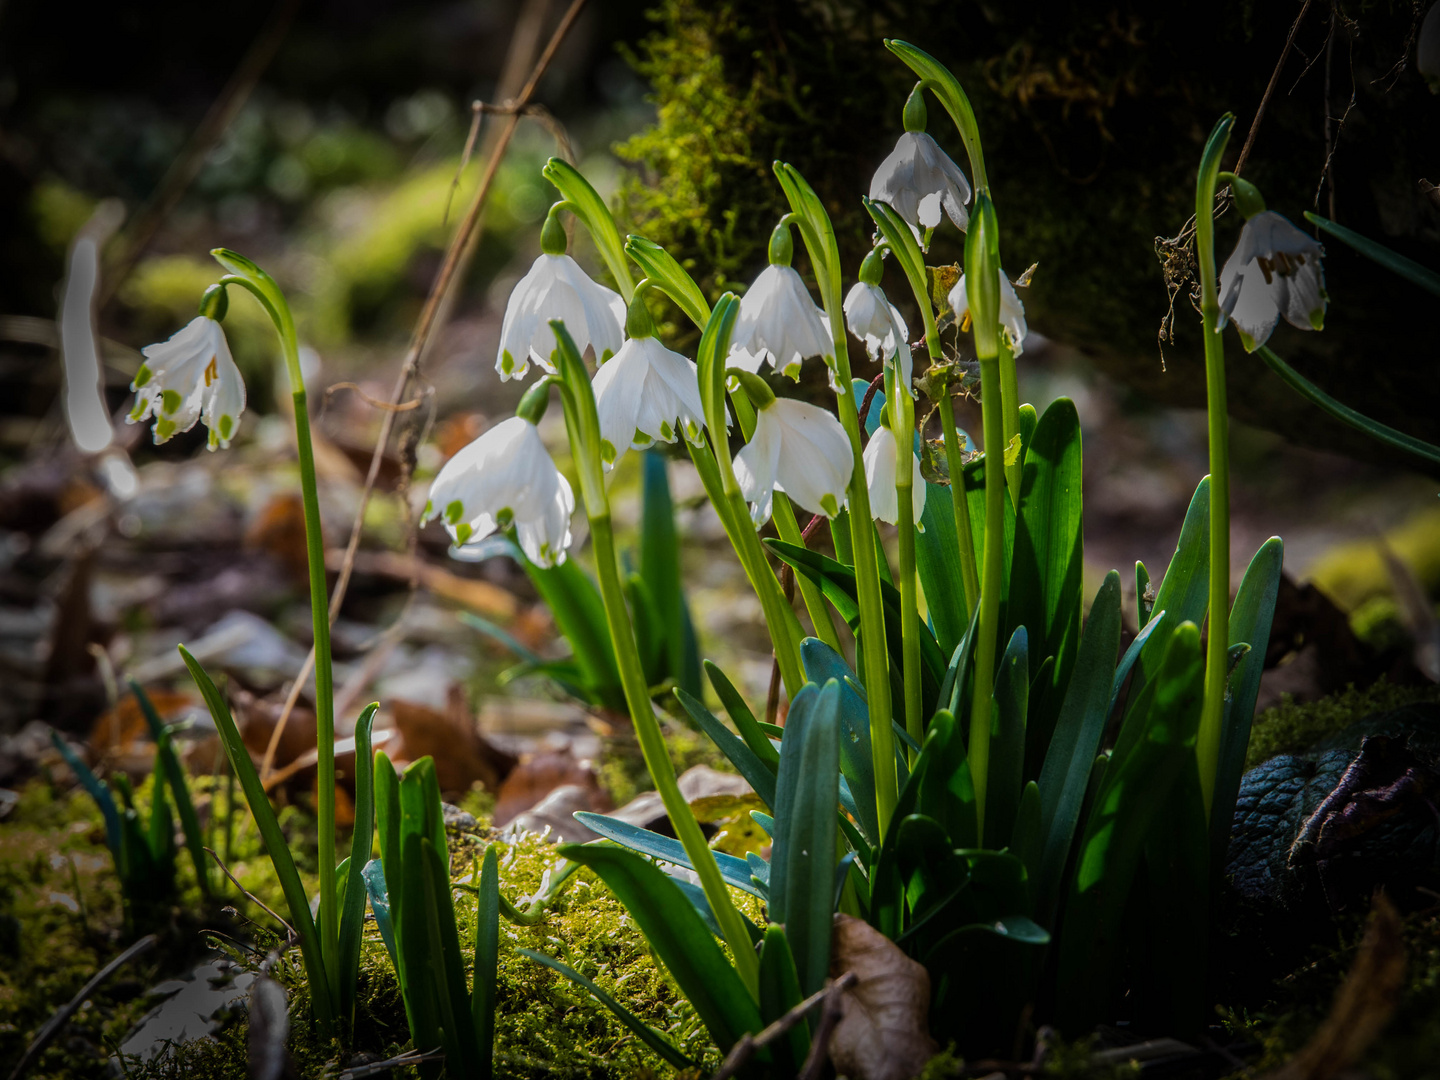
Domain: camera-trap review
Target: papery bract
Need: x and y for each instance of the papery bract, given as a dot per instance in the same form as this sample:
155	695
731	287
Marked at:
645	393
880	460
556	288
918	179
798	449
506	478
190	377
1274	270
1012	311
778	322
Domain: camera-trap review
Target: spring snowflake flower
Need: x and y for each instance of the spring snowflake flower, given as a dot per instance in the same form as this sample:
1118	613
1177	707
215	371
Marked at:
778	321
798	449
918	180
874	320
556	288
1274	270
644	393
506	479
880	459
1012	311
188	378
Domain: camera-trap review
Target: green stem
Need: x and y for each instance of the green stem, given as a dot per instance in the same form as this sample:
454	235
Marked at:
657	757
904	415
1010	401
989	588
1217	661
969	573
249	276
789	529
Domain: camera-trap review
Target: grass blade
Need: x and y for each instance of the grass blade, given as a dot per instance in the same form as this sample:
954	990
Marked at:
666	848
741	716
180	789
97	790
1393	261
757	773
822	664
779	993
1346	415
679	937
647	1034
352	903
275	843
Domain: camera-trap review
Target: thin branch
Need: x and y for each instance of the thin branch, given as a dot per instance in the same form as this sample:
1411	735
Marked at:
374	403
457	256
375	1068
744	1050
1270	89
820	1041
53	1026
290	930
187	166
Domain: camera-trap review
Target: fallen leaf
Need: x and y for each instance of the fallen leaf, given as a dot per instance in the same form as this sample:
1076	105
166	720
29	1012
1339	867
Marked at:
117	730
536	777
462	755
470	593
884	1032
279	530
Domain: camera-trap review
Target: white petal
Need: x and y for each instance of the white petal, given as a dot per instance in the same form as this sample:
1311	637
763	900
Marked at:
1305	301
778	321
815	459
756	463
880	475
1255	310
619	385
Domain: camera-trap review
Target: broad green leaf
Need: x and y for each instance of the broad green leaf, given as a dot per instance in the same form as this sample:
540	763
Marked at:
352	906
779	993
276	845
1046	586
679	937
417	938
179	788
1250	620
1393	261
667	848
946	791
374	875
1075	742
1007	739
1346	415
741	716
757	773
461	1050
648	1035
821	664
802	862
1026	840
1133	790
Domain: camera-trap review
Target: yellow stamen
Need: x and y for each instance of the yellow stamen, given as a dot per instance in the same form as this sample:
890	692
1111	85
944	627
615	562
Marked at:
965	322
212	372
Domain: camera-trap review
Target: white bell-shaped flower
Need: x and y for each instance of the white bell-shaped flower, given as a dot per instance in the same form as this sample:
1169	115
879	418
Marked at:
556	288
1274	270
778	321
506	478
1012	311
918	180
799	449
880	462
646	393
188	378
874	320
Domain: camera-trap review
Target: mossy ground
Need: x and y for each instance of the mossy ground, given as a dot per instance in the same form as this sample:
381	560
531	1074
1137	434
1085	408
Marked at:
1290	727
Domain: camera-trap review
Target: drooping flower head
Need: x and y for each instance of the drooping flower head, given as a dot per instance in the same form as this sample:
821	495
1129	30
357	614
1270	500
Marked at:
778	321
645	392
556	288
1012	311
507	479
881	454
874	320
798	449
918	179
191	377
1274	270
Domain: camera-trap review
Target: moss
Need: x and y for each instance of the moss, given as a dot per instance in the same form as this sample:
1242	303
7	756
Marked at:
1356	572
1290	727
622	768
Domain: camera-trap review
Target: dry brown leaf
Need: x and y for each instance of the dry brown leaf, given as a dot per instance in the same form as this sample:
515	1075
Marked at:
884	1032
118	729
1363	1004
536	777
462	755
279	530
470	593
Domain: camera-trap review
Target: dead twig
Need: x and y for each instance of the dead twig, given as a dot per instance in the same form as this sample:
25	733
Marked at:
745	1049
289	930
374	403
820	1041
53	1026
457	256
375	1068
187	166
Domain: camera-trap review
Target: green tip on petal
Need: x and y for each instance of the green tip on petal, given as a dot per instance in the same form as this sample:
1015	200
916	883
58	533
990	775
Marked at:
454	512
429	510
141	377
164	429
462	533
829	505
607	451
667	432
170	400
505	518
1246	340
641	439
1317	319
507	363
227	427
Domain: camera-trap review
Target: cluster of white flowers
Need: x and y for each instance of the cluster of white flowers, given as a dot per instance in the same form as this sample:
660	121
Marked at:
188	378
